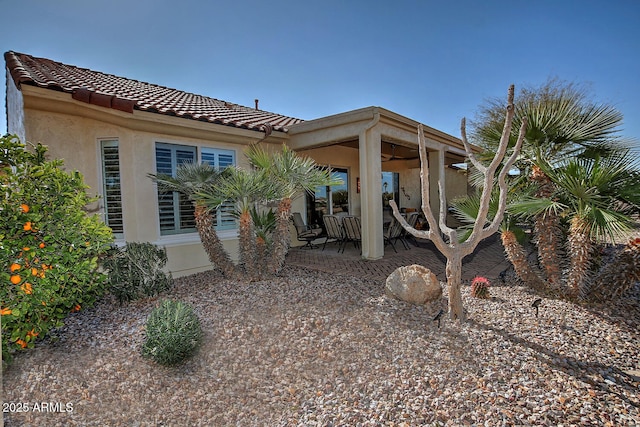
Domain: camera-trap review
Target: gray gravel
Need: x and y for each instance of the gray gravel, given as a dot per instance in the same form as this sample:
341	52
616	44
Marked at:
315	350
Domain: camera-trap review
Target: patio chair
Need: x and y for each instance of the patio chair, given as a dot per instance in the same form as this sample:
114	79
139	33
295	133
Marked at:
394	233
351	225
333	227
412	219
304	232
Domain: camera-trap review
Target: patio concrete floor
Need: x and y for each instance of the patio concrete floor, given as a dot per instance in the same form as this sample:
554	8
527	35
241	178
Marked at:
487	260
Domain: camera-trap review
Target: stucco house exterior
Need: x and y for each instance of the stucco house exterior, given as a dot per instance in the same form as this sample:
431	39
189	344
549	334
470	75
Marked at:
116	131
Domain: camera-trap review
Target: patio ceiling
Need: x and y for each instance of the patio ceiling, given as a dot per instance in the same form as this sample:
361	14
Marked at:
392	151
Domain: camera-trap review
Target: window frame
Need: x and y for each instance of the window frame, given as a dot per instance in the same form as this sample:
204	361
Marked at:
226	225
224	218
106	206
176	200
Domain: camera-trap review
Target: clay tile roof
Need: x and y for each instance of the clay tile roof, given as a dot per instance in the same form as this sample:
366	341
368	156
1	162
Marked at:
125	94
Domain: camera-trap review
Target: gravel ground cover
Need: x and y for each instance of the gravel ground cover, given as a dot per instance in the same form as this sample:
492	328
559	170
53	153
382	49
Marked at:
311	349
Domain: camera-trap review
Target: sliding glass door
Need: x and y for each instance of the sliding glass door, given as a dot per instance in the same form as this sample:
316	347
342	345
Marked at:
329	200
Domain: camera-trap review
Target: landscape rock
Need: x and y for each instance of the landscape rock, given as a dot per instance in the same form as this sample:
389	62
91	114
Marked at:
414	284
301	350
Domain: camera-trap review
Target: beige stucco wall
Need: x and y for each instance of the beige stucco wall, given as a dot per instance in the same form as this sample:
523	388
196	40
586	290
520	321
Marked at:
77	141
73	131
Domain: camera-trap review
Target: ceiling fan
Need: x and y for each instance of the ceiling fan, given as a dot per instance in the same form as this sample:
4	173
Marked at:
386	157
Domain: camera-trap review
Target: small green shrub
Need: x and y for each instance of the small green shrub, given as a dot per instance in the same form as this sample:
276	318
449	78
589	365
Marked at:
173	333
480	287
136	271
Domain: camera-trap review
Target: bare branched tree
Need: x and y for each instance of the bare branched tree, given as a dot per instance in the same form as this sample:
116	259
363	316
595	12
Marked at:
450	246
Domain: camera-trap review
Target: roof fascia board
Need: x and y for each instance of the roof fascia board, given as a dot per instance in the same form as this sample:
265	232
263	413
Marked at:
341	119
346	126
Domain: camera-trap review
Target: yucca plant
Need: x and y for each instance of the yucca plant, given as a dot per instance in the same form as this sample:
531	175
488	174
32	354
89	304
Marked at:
273	177
264	222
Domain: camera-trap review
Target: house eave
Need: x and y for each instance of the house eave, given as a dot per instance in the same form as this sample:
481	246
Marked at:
346	126
60	102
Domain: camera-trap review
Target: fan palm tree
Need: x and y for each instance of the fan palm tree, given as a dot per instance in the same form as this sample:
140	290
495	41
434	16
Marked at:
562	123
264	222
598	194
190	179
245	188
294	175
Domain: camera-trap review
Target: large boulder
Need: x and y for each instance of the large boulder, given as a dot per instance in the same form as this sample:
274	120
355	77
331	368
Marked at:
414	284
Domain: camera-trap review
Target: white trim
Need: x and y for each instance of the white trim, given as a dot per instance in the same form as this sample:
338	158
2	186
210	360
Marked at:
191	238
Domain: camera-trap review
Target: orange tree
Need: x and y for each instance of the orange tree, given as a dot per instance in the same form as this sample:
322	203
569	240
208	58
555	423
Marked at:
49	246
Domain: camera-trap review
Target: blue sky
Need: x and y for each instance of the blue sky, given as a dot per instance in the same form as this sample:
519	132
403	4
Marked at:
432	61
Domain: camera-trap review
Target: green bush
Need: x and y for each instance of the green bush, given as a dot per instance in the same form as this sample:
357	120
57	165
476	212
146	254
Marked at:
136	271
49	247
173	333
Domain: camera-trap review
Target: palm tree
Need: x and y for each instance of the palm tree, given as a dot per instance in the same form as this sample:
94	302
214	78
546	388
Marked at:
562	123
598	194
264	222
190	179
246	188
294	174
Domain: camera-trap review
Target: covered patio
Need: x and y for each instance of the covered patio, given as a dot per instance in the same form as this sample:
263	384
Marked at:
365	143
487	260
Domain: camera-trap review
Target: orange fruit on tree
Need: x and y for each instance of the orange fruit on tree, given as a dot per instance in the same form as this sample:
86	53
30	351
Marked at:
15	279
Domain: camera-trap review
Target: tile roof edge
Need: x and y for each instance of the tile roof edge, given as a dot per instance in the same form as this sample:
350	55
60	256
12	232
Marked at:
14	67
20	75
15	59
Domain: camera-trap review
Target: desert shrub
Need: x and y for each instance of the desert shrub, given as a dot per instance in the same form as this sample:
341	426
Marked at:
49	246
173	333
480	287
136	271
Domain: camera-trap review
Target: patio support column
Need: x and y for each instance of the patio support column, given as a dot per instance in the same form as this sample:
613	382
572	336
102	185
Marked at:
370	145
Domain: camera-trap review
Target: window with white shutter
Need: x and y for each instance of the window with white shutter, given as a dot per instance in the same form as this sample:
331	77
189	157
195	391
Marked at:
220	159
111	187
175	210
